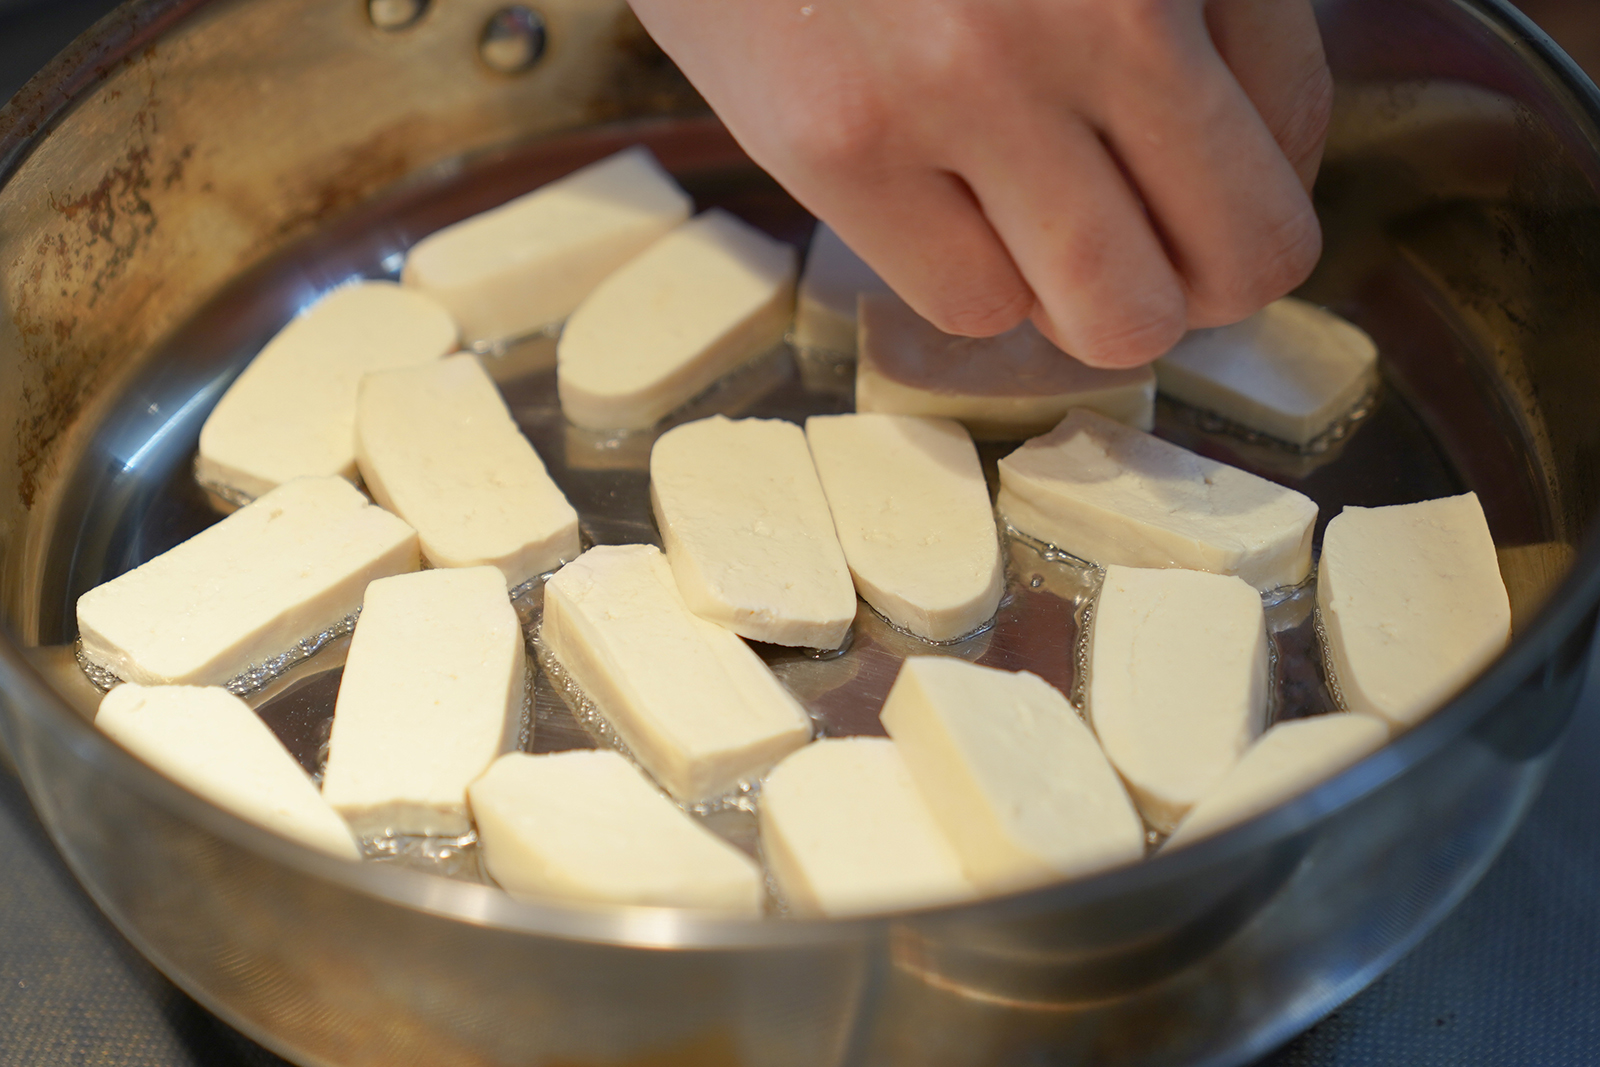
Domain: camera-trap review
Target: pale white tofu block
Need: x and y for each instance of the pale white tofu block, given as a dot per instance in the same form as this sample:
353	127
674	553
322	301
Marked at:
1287	760
1000	388
1412	604
1289	371
1178	682
912	512
286	567
211	742
687	310
437	446
432	693
527	263
1111	494
833	278
587	826
1011	773
696	707
748	532
845	831
292	412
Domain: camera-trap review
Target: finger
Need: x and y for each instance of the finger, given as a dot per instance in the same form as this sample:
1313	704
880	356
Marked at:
1275	53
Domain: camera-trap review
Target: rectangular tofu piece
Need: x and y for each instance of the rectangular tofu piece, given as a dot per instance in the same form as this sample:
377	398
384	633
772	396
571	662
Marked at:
292	412
748	532
696	707
1289	759
527	263
432	692
845	832
1289	371
1412	604
687	310
587	826
1111	494
1011	773
211	742
833	279
912	512
1178	682
437	446
1001	388
287	567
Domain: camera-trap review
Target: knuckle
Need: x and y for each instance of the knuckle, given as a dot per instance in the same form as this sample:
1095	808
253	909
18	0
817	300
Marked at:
1133	340
979	314
1286	259
1304	127
846	132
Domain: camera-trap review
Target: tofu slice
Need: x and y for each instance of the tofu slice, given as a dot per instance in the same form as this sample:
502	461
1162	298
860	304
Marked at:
526	264
287	567
1111	494
292	412
687	310
432	693
748	532
1289	759
845	831
211	742
1178	682
833	279
1412	604
586	826
1012	775
1001	388
912	512
1289	371
437	446
696	707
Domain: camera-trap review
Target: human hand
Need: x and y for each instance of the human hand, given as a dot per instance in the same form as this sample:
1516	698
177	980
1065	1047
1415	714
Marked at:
1120	170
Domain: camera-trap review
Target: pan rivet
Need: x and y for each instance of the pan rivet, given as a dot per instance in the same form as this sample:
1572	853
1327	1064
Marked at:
513	39
395	14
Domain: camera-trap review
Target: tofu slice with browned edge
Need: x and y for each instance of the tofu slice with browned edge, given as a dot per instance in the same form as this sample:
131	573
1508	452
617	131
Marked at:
1002	388
587	826
748	532
292	412
1412	604
432	693
285	568
211	742
437	446
1178	682
845	832
695	706
667	324
1111	494
526	264
912	512
833	278
1012	775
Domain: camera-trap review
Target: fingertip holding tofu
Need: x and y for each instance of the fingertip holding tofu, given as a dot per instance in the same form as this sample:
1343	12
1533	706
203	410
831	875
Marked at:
1113	495
586	826
1012	775
748	532
696	707
1001	388
437	446
211	742
288	566
845	832
667	324
833	279
431	695
1412	604
1290	371
1289	759
292	412
526	264
912	512
1178	682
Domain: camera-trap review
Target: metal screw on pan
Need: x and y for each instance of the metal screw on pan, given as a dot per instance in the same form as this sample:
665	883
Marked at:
513	39
395	14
